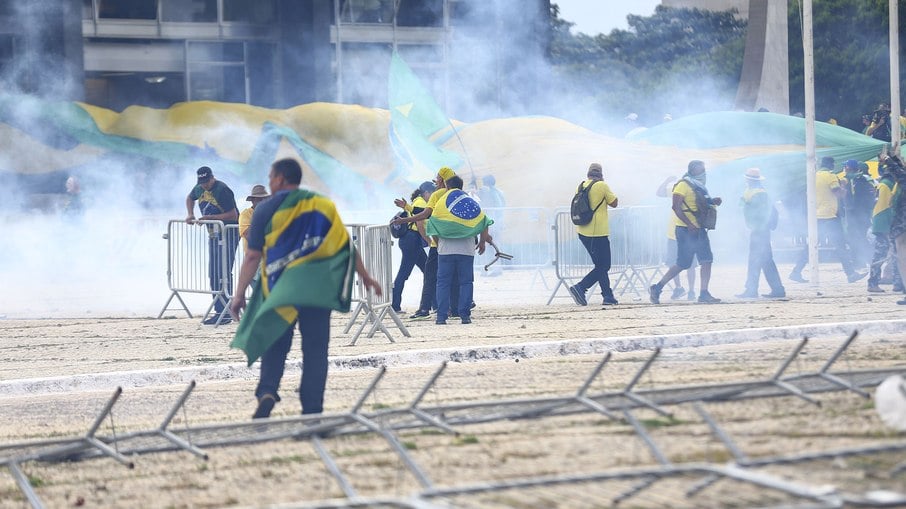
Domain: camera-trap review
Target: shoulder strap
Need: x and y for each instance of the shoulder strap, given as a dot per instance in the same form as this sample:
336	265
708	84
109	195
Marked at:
593	182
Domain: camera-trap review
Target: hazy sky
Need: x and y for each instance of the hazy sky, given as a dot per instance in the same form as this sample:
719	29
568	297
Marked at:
601	16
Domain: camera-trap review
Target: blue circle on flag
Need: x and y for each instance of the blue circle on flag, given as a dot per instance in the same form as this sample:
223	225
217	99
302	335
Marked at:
462	205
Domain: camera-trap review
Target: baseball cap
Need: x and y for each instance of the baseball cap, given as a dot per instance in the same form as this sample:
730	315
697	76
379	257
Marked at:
427	187
851	163
204	174
445	173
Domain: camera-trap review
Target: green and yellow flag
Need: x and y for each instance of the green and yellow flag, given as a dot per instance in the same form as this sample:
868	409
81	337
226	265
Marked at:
457	216
308	260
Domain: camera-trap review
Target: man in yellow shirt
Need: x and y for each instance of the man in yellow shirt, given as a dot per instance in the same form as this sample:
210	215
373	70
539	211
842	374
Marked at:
595	236
691	239
827	191
258	195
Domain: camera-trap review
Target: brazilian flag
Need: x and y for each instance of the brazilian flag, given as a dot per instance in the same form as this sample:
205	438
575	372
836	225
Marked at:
457	216
308	260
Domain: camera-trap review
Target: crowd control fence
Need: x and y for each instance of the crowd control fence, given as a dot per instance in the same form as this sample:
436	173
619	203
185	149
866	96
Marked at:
524	233
375	245
199	261
637	247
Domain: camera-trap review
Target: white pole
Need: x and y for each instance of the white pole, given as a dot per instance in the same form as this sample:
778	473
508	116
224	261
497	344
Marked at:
895	76
811	202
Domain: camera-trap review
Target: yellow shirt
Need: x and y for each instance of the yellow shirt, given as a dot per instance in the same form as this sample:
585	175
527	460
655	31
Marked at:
432	204
683	189
825	185
419	203
245	220
599	226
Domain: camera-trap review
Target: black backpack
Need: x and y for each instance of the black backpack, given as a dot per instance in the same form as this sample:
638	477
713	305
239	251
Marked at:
580	209
400	229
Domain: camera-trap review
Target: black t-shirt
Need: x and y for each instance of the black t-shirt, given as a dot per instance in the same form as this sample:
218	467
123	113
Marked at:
218	200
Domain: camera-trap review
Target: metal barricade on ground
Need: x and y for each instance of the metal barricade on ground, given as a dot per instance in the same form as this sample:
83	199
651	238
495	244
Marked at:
637	248
524	233
375	245
199	261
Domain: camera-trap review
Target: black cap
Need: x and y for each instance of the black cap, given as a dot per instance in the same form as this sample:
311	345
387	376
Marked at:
204	174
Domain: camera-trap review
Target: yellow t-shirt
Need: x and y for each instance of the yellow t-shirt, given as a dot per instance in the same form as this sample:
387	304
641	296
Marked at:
432	204
825	185
419	203
689	206
599	226
245	220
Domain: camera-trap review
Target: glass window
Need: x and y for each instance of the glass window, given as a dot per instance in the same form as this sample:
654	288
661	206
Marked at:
87	9
217	83
7	8
428	13
189	10
127	9
259	11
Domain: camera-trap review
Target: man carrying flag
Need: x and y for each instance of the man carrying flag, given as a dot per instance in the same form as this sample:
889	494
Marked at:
456	220
306	261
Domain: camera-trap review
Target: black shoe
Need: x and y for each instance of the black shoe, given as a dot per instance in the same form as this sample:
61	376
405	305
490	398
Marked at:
902	302
466	321
421	314
747	295
578	296
678	293
440	322
214	320
265	405
707	298
852	277
797	277
472	306
774	295
654	294
610	301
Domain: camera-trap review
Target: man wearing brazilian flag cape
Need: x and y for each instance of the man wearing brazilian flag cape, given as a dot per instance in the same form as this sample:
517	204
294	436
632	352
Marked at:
306	261
456	219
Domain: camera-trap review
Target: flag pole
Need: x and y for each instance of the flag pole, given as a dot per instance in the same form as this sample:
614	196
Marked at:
894	120
811	201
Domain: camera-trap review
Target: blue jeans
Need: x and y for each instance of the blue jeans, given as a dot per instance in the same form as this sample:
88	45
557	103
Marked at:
413	248
447	267
599	250
214	263
429	286
314	326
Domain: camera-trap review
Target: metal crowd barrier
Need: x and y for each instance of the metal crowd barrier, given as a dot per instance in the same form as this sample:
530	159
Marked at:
637	244
188	263
523	232
375	245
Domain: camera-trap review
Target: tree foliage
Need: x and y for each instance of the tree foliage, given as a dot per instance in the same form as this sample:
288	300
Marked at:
666	63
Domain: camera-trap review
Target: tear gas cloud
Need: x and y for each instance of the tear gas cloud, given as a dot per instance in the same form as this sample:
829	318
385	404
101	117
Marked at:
111	259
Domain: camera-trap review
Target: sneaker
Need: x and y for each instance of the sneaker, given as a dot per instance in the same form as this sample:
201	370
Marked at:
690	296
855	276
654	294
223	320
578	296
902	302
678	293
440	322
466	320
610	301
265	405
875	289
421	314
774	295
707	298
747	295
797	277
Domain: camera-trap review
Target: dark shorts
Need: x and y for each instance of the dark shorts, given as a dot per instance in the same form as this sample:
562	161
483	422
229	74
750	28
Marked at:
670	259
690	246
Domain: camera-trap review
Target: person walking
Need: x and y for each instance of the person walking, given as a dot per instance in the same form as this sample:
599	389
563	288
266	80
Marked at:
216	202
691	207
595	237
412	243
305	257
881	218
456	221
761	218
828	191
859	199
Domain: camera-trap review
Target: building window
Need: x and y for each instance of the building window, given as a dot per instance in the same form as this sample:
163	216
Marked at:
258	12
87	9
189	10
127	9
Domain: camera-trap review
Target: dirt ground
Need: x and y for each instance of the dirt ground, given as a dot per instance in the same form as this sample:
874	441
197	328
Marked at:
511	311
